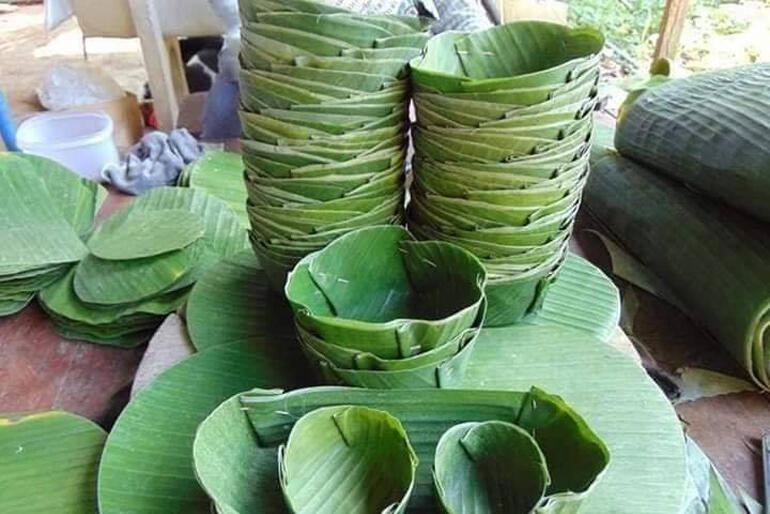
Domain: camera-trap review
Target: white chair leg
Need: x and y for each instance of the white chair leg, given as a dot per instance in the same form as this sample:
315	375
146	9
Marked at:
155	52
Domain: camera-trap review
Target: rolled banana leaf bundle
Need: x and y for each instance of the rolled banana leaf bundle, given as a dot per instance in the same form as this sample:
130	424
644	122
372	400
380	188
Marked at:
324	98
140	264
711	131
715	259
45	211
501	151
378	309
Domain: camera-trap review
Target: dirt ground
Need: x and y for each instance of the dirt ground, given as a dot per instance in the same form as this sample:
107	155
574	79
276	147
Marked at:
27	51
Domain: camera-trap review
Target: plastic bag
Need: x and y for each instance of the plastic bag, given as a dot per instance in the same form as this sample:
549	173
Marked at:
65	86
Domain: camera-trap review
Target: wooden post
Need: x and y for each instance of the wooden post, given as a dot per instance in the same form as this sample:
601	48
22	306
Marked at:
671	29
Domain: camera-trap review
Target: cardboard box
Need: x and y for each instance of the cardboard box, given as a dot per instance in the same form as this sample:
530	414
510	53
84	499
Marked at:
126	116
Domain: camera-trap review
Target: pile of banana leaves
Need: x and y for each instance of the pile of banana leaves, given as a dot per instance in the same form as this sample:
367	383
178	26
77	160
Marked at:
504	117
470	451
220	174
324	95
140	265
378	309
45	210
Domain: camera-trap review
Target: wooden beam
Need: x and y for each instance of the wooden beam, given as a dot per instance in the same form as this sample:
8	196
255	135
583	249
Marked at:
671	29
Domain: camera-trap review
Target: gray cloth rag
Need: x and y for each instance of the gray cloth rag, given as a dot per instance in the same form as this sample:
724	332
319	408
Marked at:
154	161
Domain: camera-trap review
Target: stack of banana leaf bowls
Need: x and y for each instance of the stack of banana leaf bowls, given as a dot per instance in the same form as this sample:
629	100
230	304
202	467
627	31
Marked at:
378	309
501	151
324	98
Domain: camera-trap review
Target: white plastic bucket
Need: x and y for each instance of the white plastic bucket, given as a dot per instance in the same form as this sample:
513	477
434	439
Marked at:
81	141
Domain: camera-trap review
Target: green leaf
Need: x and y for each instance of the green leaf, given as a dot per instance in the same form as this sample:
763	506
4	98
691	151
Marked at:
135	476
34	231
128	235
683	238
489	467
49	463
103	282
220	174
663	129
413	304
126	325
360	457
268	417
77	198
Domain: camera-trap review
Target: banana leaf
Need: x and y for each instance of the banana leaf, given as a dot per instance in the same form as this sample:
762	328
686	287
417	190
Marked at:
49	462
352	30
35	233
330	445
444	374
281	92
109	282
269	130
357	81
345	358
334	297
329	123
557	429
709	131
252	7
645	444
134	235
383	67
126	325
265	50
704	251
519	48
223	234
489	467
312	43
519	54
13	303
511	298
363	110
399	53
157	418
416	40
298	223
77	199
220	174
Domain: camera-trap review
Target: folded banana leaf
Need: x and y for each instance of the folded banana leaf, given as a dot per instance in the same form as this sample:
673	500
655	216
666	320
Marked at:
710	131
576	456
329	445
515	55
404	298
489	467
704	251
444	374
345	358
235	318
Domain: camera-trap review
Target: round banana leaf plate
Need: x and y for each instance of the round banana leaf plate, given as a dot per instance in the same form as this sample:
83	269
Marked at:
245	337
